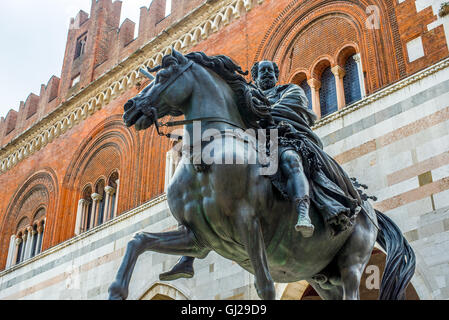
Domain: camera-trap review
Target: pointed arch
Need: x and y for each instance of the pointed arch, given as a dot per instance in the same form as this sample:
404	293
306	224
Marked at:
163	291
110	146
40	190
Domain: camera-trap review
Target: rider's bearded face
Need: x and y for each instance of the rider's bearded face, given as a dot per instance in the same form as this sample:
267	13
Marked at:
266	78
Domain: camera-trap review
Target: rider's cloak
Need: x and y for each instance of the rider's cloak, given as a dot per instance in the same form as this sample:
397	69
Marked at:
331	189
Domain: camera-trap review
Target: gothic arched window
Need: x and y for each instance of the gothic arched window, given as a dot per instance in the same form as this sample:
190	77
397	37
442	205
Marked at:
113	184
80	48
328	93
305	86
99	190
87	211
351	81
19	249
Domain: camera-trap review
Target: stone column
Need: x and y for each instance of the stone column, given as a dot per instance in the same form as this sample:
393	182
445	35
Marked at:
315	86
85	216
339	74
116	198
80	216
38	235
24	246
358	60
29	242
40	231
95	209
12	247
34	236
108	213
16	250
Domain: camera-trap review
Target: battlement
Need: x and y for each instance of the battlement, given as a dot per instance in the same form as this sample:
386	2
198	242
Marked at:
96	42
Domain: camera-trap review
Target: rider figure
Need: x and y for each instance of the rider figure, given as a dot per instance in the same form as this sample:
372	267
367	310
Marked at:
307	172
265	74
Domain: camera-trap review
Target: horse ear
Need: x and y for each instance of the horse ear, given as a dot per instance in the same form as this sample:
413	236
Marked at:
179	56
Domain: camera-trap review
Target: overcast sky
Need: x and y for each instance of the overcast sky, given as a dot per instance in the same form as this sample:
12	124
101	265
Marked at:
34	34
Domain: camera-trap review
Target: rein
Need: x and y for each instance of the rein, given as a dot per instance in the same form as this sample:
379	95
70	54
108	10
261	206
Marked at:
184	122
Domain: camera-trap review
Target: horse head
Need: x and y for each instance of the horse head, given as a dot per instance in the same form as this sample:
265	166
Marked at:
171	87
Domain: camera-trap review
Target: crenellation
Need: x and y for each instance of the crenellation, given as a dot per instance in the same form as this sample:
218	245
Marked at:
106	26
125	43
52	88
156	12
79	20
143	22
31	105
8	124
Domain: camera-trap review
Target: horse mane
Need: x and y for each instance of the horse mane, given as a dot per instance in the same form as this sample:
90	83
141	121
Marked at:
252	103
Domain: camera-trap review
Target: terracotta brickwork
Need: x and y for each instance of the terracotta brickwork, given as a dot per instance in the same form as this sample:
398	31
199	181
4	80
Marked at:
413	24
301	36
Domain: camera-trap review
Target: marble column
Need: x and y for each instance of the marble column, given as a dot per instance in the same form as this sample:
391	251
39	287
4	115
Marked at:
95	209
108	212
358	60
24	246
12	247
16	250
80	216
116	198
315	86
40	230
29	242
85	220
339	74
33	237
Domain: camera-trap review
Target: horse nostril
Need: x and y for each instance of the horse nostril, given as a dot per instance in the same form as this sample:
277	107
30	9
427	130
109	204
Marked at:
129	105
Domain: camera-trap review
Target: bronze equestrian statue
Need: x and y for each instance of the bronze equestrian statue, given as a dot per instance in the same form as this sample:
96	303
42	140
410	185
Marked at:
305	222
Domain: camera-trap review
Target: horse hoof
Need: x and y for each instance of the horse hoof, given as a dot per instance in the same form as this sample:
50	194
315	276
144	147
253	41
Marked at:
168	276
306	230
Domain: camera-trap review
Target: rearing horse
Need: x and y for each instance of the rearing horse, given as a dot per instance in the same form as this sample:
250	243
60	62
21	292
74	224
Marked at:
235	211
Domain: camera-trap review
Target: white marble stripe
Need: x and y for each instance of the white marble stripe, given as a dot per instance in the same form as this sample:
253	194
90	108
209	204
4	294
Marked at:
389	125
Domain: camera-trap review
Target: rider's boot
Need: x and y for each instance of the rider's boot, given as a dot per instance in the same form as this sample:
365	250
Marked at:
304	224
182	269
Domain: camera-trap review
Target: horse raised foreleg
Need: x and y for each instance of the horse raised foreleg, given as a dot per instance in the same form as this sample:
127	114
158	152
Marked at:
180	242
251	235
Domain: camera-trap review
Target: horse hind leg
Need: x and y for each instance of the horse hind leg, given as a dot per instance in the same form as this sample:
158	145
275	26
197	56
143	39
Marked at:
180	242
354	256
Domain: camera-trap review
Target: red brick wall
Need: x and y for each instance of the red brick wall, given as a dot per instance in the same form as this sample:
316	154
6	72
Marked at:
412	25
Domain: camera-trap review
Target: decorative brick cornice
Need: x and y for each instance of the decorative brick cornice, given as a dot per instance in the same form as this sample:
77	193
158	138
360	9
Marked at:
195	27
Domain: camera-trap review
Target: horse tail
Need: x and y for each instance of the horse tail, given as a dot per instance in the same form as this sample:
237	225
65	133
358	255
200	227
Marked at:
400	262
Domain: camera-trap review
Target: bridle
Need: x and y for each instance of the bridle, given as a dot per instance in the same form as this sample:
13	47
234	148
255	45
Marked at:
152	111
